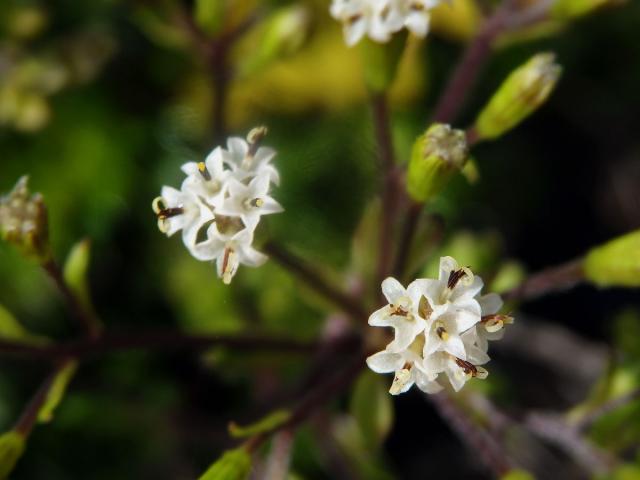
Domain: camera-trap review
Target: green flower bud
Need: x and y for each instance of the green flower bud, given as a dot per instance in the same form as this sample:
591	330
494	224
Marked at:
12	445
209	15
380	61
524	90
233	465
570	9
616	263
437	155
23	221
280	35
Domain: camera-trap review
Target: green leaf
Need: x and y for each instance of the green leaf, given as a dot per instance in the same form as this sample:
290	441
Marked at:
233	465
75	270
11	447
209	15
271	421
11	329
372	408
517	475
57	391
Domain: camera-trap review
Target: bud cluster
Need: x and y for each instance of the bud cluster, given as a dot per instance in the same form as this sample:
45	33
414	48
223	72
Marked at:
220	203
442	329
23	220
379	19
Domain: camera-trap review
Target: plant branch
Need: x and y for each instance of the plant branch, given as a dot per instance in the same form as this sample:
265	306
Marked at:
150	340
479	441
85	319
556	431
593	416
315	399
390	183
314	280
29	416
562	277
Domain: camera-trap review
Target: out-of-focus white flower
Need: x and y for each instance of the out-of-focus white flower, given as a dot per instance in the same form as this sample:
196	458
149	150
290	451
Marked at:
440	329
220	203
379	19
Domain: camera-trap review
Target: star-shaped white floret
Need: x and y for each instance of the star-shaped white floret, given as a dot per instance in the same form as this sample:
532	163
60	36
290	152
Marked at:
179	210
207	180
229	251
245	163
249	202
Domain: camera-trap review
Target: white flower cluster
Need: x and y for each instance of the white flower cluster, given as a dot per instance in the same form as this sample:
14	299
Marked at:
220	203
440	327
379	19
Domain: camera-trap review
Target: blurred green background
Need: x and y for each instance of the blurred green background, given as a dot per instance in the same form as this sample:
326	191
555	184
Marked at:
101	102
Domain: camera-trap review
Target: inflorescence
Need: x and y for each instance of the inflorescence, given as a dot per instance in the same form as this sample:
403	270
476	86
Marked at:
220	203
440	326
379	19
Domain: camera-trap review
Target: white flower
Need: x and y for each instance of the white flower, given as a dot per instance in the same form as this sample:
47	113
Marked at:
181	210
440	333
248	159
249	202
220	203
379	19
207	180
229	251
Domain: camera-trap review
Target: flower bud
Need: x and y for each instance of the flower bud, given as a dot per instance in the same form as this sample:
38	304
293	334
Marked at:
380	61
570	9
436	157
233	465
281	35
616	263
11	448
23	221
524	90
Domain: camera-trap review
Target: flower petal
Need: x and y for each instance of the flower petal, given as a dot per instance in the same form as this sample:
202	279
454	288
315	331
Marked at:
490	303
392	289
385	362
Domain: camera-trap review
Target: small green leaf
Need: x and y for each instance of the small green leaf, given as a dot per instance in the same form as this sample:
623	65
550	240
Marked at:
517	475
616	263
11	447
209	15
11	329
56	391
372	408
271	421
75	270
233	465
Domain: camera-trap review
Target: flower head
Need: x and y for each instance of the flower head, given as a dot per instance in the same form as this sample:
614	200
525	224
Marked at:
379	19
220	203
441	329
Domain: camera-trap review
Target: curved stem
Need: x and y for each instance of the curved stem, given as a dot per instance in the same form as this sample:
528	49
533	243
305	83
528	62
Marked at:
312	278
150	340
85	319
562	277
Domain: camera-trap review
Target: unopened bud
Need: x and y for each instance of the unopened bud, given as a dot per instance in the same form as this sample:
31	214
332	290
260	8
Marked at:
11	449
23	221
233	465
616	263
436	157
282	34
524	91
570	9
380	61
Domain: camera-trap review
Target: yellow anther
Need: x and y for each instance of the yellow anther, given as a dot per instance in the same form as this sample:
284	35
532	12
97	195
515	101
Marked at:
158	205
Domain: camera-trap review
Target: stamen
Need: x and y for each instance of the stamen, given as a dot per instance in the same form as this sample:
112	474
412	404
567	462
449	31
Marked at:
202	168
424	308
229	265
400	380
353	19
398	310
442	332
256	202
161	210
417	7
158	205
470	369
494	323
254	138
454	277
